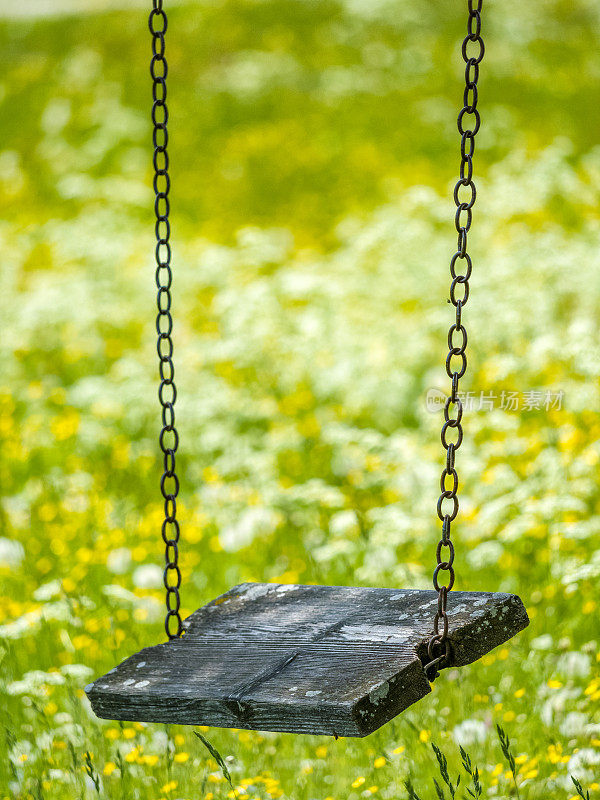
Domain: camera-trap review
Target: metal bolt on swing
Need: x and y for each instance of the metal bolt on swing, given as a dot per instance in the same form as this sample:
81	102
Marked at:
439	648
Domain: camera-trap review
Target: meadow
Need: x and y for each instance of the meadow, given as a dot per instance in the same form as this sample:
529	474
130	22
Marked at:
313	154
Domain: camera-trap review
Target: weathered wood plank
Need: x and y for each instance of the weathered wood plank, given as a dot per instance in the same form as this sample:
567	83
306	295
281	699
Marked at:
304	659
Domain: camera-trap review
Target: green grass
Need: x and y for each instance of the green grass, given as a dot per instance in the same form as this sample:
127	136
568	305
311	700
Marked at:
313	152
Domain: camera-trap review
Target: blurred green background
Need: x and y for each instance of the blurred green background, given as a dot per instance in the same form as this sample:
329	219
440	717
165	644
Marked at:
313	153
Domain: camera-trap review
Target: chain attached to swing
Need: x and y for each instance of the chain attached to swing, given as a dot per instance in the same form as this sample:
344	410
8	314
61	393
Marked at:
167	393
439	650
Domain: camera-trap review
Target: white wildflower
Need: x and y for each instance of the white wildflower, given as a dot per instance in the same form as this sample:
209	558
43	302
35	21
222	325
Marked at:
79	672
160	739
485	554
44	741
48	590
344	523
119	560
119	594
63	718
331	551
554	707
585	764
56	115
21	752
253	522
148	576
59	775
11	552
573	724
35	683
574	664
543	642
29	623
150	606
469	732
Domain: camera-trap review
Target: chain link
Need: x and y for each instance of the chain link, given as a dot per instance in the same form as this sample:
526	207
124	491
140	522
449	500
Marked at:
469	122
167	392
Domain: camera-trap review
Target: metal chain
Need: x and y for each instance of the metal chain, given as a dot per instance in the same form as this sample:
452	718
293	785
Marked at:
167	393
439	650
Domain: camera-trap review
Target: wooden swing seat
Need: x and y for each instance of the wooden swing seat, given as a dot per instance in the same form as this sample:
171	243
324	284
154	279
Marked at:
302	659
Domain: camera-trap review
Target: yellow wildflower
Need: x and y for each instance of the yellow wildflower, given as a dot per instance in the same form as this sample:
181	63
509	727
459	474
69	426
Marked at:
65	425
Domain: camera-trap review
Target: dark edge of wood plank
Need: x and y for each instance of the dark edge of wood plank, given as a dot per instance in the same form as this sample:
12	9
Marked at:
391	698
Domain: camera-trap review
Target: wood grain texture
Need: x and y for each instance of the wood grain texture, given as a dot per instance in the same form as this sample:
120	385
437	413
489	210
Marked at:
305	659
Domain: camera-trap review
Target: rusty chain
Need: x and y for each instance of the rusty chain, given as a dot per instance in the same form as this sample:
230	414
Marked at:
439	645
439	650
167	392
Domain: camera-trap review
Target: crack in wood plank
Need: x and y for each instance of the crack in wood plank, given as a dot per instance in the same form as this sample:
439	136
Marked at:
263	677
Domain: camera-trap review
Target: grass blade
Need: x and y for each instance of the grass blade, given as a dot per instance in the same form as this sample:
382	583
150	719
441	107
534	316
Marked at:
508	755
580	790
217	757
